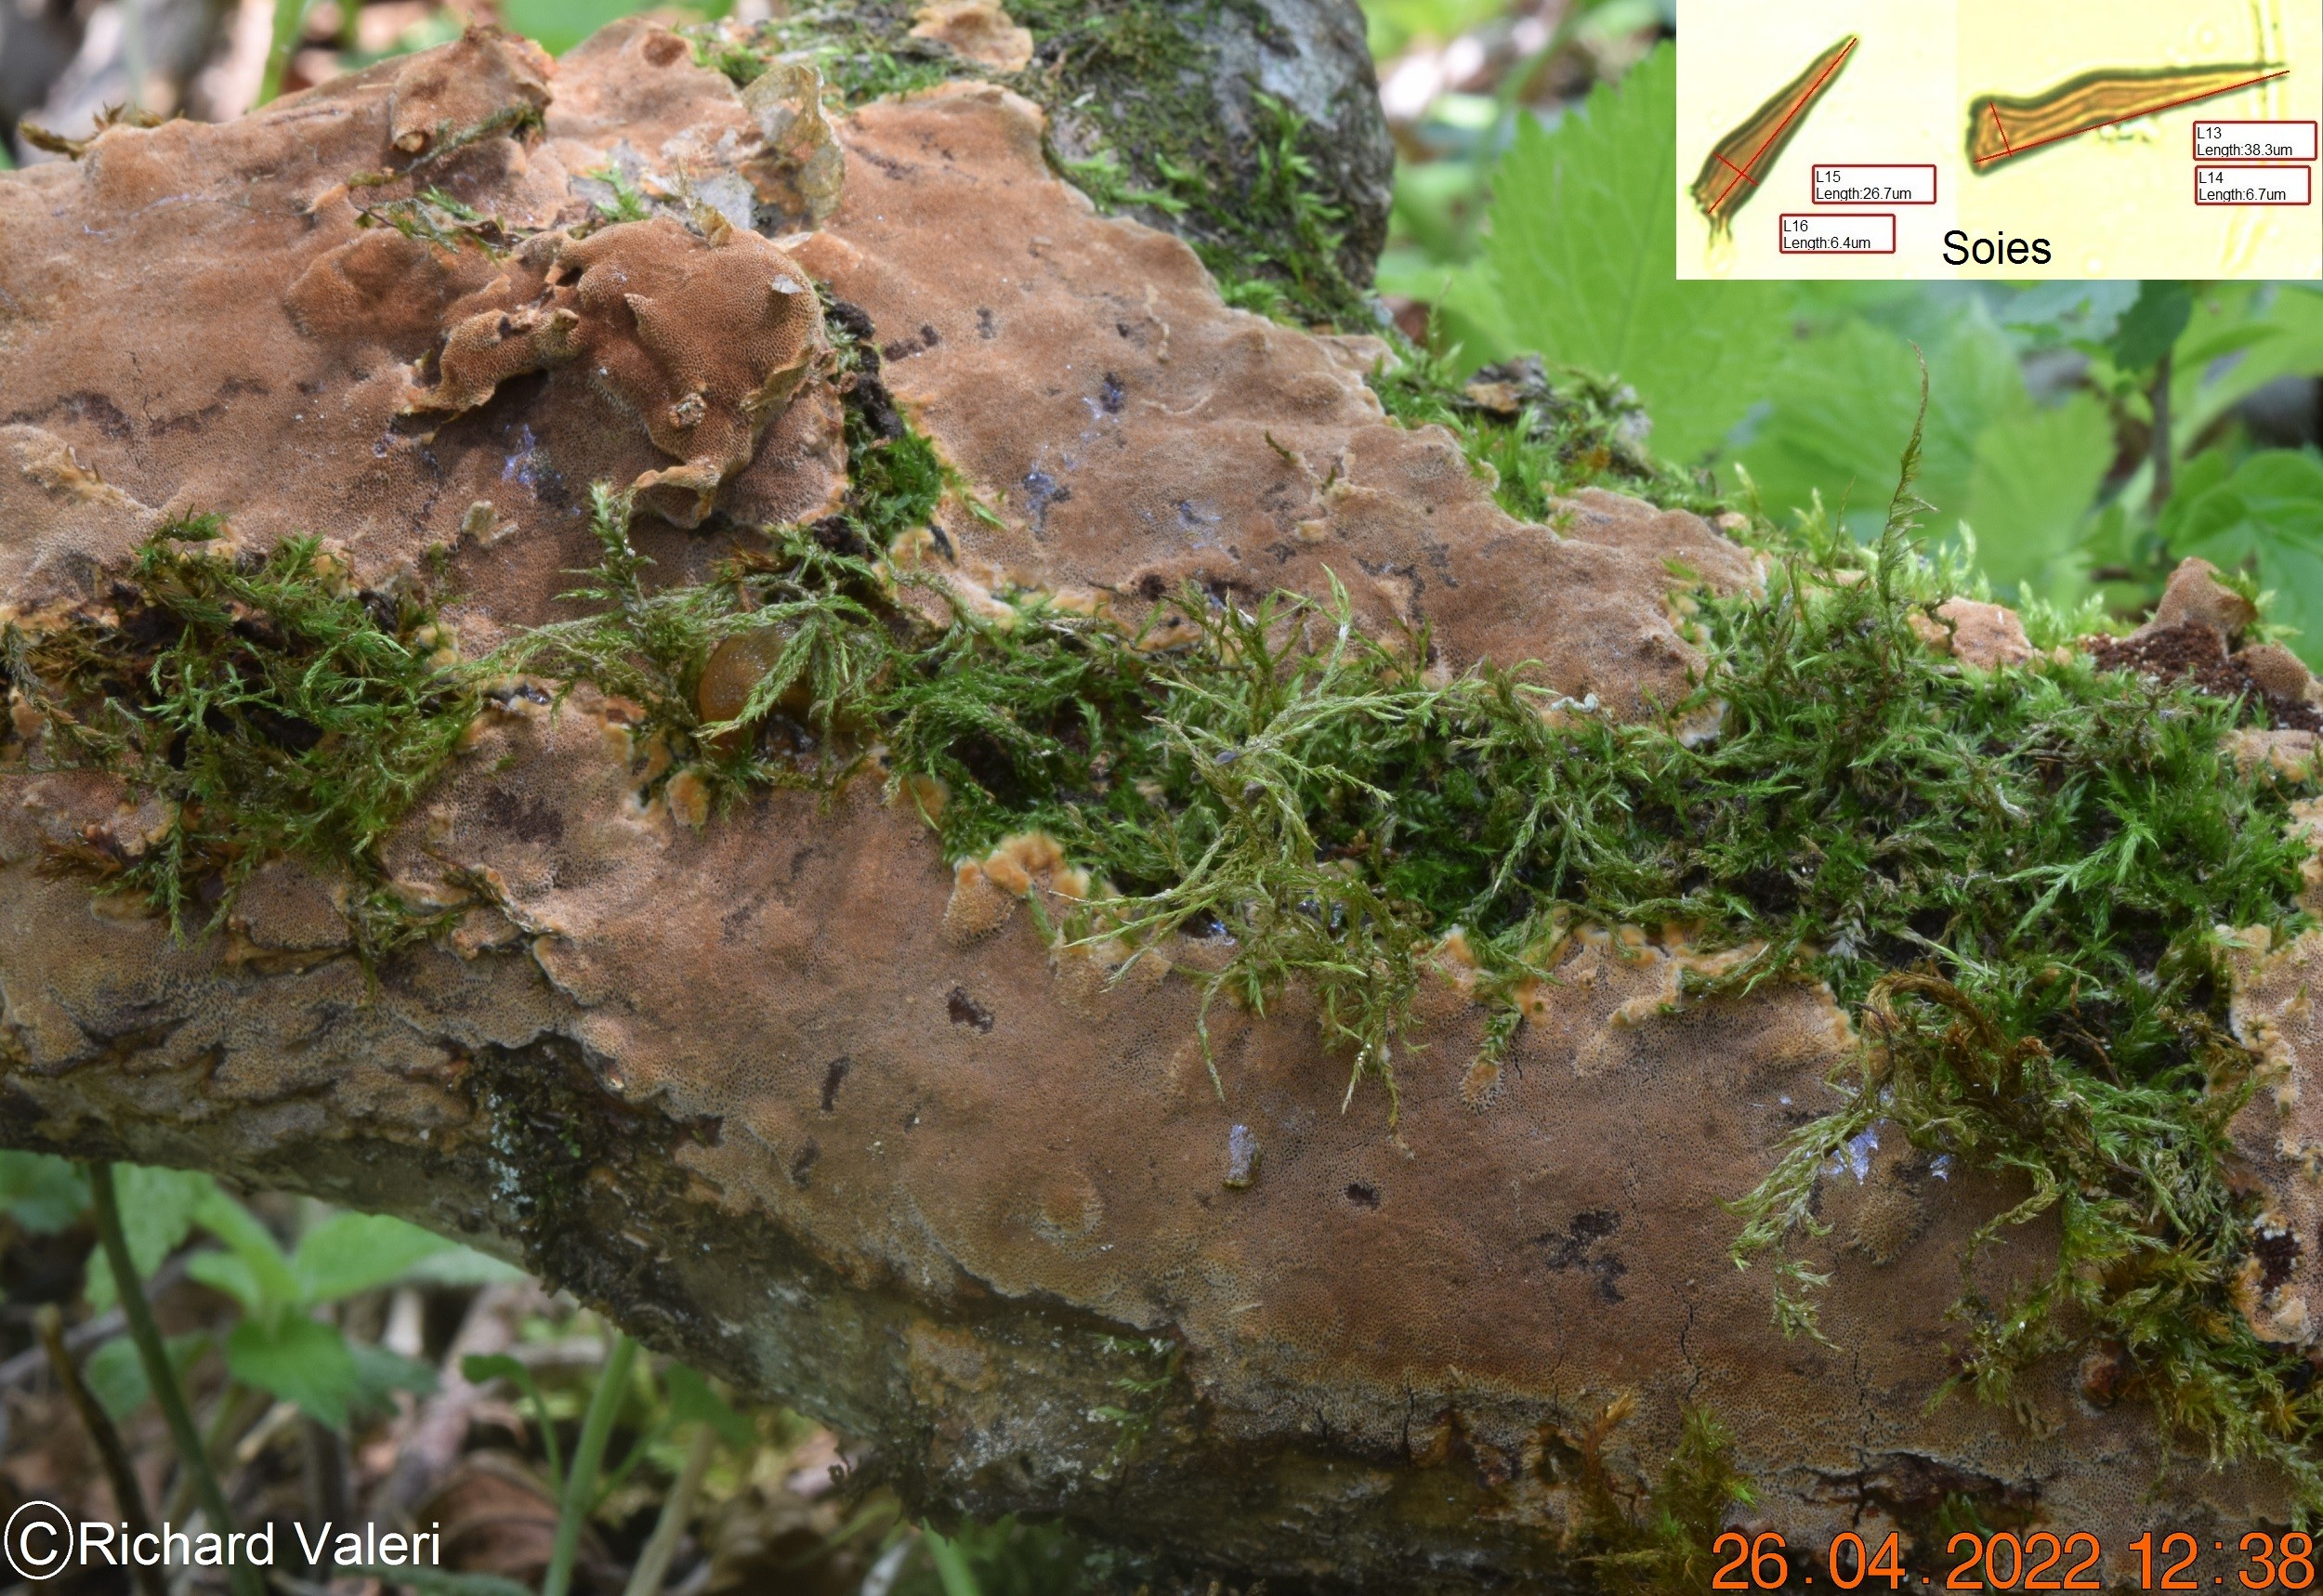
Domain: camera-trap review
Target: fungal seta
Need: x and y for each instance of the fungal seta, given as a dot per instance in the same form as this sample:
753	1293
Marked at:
1731	173
2002	128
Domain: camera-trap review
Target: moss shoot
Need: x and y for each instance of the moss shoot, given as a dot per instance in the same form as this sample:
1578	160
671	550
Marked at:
264	704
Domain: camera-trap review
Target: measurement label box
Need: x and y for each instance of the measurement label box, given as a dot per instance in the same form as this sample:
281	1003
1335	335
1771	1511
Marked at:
2254	140
2253	185
1806	234
1862	183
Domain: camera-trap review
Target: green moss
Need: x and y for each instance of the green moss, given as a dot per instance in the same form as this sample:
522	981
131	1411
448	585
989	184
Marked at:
269	708
1275	244
864	49
1661	1546
435	217
1537	439
2014	879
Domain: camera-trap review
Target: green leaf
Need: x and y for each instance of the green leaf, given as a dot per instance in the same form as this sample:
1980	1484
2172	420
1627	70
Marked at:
352	1253
2243	336
2033	478
457	1265
692	1402
1582	254
157	1210
2150	327
227	1273
558	25
479	1369
42	1193
1844	410
266	1274
380	1373
116	1377
297	1358
2270	513
2053	313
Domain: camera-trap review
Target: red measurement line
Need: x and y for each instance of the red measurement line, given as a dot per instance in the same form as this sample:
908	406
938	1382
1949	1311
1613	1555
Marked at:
1735	169
2133	116
1742	173
1995	107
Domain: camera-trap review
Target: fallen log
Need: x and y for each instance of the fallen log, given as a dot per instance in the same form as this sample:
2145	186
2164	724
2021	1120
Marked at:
625	922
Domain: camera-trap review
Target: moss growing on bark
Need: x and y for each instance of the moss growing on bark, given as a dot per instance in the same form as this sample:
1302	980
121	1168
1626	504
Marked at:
261	706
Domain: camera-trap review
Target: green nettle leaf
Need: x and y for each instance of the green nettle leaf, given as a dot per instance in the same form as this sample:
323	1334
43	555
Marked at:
157	1210
297	1358
2033	478
41	1192
226	1273
2268	513
264	1270
692	1402
2150	327
1582	256
352	1253
1846	404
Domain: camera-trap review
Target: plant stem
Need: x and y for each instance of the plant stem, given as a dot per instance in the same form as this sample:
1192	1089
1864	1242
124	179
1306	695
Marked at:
677	1507
587	1453
128	1495
951	1567
2159	448
154	1355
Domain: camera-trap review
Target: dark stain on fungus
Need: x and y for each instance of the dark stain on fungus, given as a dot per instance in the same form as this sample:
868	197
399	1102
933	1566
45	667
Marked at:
2277	1252
1362	1196
803	1161
967	1010
904	348
527	819
1576	1248
1111	394
987	325
832	1076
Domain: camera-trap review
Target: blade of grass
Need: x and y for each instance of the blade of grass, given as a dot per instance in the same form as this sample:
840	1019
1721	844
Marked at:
677	1507
587	1453
951	1566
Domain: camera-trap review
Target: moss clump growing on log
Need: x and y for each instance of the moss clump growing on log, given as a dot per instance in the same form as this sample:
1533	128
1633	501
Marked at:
1535	438
266	706
2015	877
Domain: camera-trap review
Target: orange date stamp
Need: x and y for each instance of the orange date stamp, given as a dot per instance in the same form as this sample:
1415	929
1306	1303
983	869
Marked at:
2036	1559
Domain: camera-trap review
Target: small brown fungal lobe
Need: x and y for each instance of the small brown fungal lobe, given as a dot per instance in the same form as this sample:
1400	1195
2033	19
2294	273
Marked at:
703	339
978	32
486	82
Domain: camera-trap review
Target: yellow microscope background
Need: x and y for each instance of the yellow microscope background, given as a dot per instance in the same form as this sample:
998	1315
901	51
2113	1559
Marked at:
2116	202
